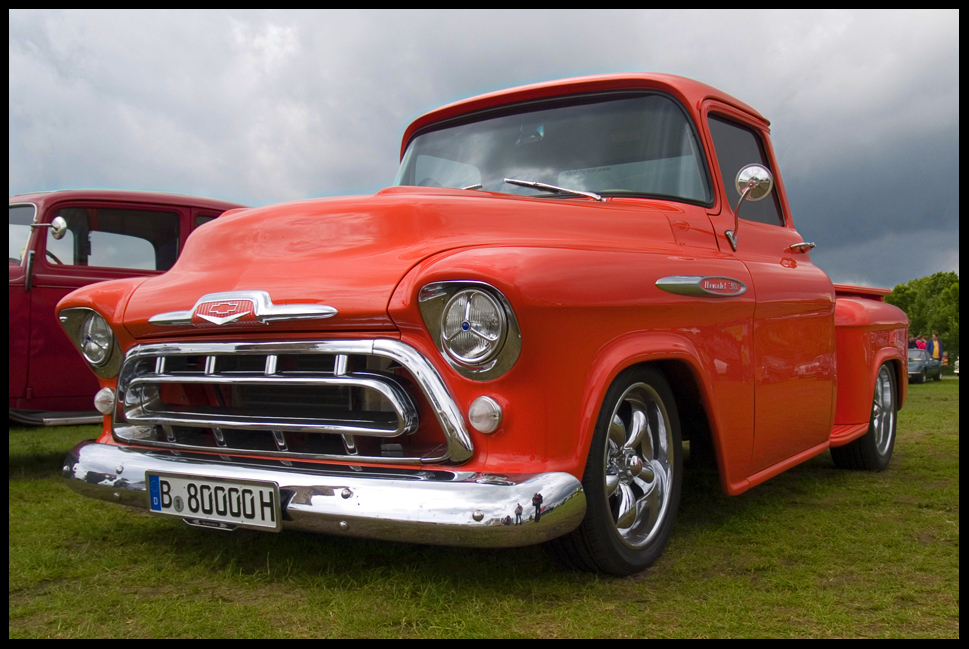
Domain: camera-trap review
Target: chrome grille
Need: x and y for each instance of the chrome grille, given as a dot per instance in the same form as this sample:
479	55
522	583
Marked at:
332	399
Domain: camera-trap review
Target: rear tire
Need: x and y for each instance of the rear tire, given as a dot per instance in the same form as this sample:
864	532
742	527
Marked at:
873	450
632	480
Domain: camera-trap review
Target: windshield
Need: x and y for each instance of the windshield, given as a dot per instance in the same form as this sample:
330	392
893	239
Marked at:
21	216
620	145
918	355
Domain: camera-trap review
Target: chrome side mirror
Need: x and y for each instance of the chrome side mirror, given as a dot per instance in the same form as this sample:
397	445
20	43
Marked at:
754	183
58	227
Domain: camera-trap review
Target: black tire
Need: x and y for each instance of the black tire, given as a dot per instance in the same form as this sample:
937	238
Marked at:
632	480
873	450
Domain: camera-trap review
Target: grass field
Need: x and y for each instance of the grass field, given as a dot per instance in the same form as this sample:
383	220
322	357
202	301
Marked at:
815	552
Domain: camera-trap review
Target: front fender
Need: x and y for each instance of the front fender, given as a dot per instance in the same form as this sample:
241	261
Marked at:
585	315
732	443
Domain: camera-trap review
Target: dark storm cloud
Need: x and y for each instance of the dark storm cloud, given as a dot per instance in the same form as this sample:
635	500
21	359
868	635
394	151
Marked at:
261	107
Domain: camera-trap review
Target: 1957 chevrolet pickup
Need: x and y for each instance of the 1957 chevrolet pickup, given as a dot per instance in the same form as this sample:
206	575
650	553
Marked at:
511	345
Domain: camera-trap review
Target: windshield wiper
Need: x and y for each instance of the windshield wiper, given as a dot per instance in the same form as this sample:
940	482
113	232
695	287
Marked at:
552	188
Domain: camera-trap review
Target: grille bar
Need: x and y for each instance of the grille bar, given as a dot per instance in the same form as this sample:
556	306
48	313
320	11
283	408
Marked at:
321	399
150	409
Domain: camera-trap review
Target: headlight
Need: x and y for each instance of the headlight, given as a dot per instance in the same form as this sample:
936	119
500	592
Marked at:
95	339
473	327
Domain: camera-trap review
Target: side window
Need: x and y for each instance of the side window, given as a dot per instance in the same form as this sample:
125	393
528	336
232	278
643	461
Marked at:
202	219
737	147
116	238
21	216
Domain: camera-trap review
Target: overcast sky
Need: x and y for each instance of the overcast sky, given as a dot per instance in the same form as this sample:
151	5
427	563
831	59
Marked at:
263	107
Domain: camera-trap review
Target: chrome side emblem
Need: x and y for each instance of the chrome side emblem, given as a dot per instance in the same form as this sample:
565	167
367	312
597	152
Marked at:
698	285
240	307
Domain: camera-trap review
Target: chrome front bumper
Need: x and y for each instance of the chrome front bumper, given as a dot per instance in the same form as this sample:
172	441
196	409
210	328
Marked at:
457	508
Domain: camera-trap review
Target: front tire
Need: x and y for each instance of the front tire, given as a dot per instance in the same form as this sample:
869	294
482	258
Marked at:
632	480
873	450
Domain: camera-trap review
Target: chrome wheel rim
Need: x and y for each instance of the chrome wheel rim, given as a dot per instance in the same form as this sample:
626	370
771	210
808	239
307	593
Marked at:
639	465
883	411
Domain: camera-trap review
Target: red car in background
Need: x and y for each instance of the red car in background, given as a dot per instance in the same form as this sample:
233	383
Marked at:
61	241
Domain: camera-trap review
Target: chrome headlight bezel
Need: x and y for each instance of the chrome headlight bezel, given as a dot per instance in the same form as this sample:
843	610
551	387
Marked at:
434	301
77	323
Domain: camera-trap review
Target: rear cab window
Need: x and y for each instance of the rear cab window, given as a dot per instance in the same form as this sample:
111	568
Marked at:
202	219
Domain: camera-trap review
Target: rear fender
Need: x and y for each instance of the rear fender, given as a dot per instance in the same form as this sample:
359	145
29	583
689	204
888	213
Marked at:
869	333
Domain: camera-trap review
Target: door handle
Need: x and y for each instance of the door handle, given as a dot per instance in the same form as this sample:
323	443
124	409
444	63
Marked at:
804	246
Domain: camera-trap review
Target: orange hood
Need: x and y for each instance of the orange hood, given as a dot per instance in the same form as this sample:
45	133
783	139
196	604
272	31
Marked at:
351	252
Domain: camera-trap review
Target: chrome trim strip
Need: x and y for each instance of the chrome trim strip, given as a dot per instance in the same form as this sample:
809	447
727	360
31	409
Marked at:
459	445
263	309
456	508
54	418
693	285
72	421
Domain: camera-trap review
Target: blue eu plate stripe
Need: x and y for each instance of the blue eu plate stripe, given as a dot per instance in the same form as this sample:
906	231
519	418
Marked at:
155	491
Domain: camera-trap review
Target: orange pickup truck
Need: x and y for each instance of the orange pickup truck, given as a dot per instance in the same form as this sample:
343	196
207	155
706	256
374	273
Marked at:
511	345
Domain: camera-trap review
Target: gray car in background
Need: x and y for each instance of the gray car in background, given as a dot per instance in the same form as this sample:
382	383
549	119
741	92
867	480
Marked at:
921	366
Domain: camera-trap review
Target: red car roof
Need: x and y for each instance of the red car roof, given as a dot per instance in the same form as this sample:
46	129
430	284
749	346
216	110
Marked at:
125	196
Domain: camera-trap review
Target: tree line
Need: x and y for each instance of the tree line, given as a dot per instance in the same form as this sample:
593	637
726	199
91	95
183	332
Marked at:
932	306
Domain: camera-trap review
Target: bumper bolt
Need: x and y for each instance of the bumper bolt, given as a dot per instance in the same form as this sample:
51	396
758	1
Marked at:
344	526
477	515
346	493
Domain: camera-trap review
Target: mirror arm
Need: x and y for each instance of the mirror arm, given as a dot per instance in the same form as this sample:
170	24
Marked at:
732	234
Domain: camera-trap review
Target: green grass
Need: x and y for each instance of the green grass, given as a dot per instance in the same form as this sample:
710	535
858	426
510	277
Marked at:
815	552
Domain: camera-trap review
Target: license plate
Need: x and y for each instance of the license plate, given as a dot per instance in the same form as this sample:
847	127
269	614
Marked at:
215	502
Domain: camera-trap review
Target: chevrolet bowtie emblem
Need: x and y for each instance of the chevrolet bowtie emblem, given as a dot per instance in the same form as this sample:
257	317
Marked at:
241	307
222	313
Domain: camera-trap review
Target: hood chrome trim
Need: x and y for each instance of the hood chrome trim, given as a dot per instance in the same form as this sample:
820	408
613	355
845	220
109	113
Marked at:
263	310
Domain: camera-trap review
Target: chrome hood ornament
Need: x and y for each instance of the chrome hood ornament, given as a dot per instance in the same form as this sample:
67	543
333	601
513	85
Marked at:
240	308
